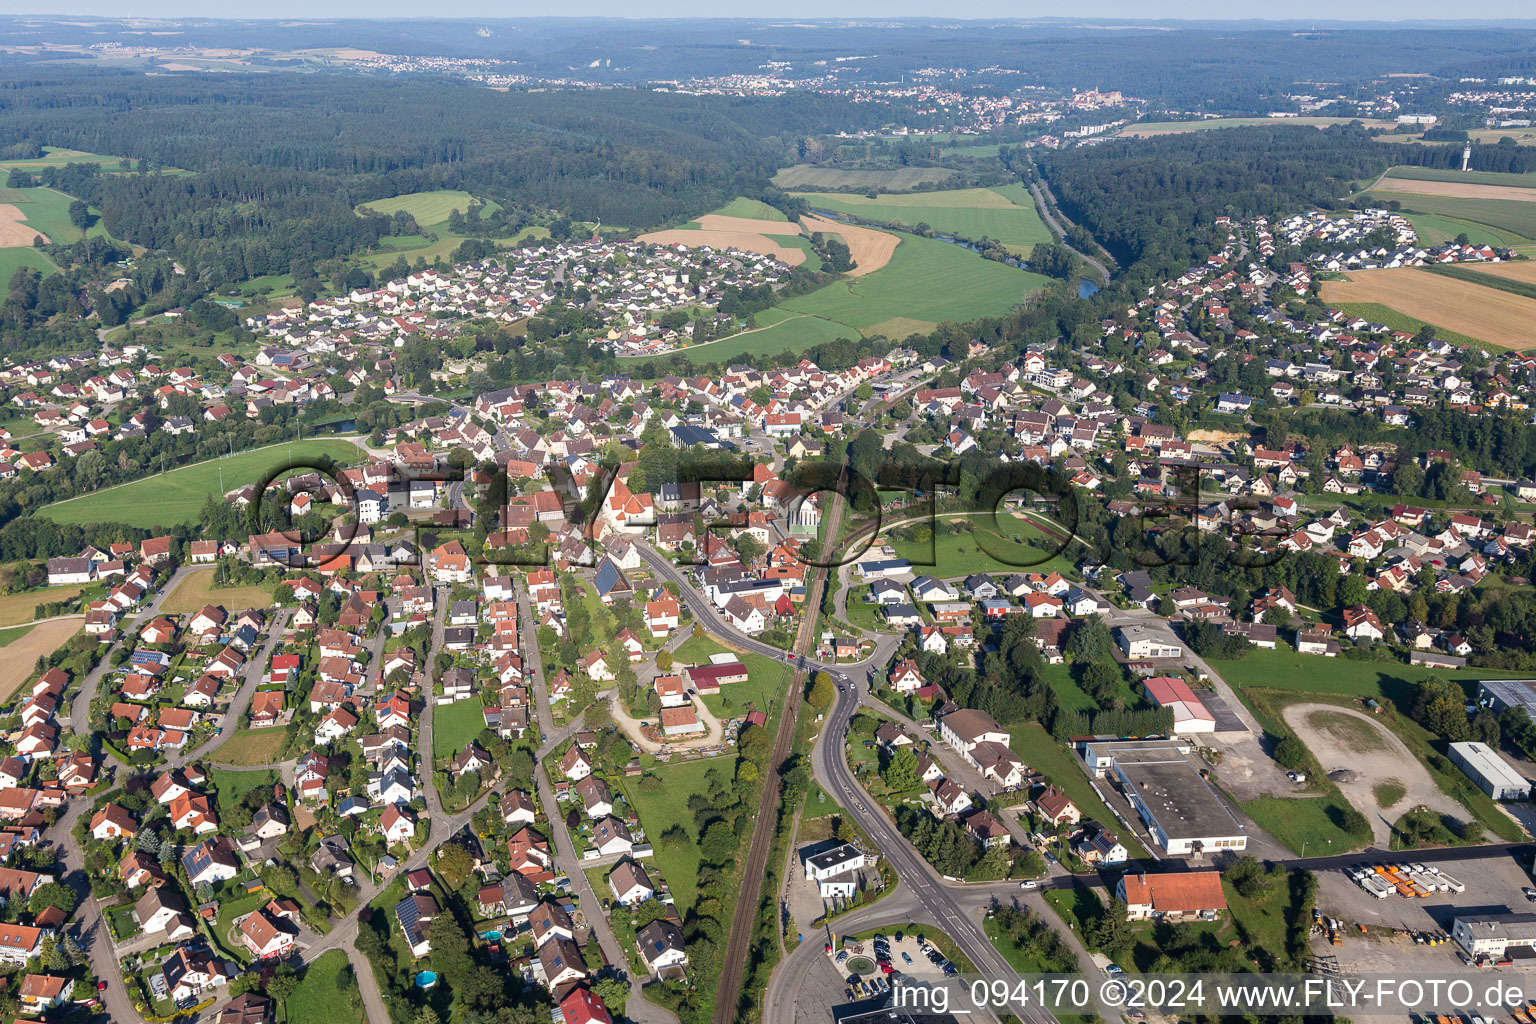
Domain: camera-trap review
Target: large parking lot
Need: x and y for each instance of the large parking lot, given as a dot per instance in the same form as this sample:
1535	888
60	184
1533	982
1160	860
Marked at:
1493	884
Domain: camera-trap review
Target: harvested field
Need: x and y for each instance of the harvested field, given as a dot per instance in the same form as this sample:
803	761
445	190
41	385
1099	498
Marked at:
21	655
1487	314
197	590
1457	189
720	222
809	177
871	249
13	232
1521	270
747	241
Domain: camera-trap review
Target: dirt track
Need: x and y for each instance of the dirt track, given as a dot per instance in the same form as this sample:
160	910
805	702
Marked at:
871	249
747	241
18	658
1334	734
1498	317
1457	189
13	233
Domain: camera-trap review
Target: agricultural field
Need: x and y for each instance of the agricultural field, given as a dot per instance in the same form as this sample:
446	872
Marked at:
1410	173
40	640
808	177
1379	314
1523	271
721	230
55	156
752	209
13	258
175	497
196	590
19	608
788	332
431	210
1437	230
925	282
1149	128
1497	317
871	250
1513	220
1456	189
1006	214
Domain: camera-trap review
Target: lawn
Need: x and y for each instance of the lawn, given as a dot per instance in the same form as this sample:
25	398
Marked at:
166	499
454	725
1044	754
1006	214
1020	547
230	909
252	746
322	995
1306	824
661	807
233	785
15	608
926	282
1284	669
197	590
10	636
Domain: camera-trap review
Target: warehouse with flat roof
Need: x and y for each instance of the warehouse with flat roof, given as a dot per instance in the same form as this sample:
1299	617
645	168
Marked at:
1495	934
1490	771
1183	814
1509	693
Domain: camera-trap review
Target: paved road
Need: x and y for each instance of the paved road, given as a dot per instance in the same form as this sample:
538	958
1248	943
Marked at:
254	671
1036	186
707	616
425	748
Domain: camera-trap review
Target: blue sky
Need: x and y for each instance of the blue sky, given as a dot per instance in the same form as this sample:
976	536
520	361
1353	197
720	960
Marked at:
1362	10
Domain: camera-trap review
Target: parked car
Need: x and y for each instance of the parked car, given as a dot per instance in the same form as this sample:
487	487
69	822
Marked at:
1030	884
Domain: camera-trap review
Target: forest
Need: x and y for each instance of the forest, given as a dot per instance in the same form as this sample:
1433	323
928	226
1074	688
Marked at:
251	174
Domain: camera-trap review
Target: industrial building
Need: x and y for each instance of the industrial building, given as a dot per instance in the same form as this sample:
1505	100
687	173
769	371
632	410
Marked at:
1189	715
1509	693
1181	811
1495	935
1490	771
